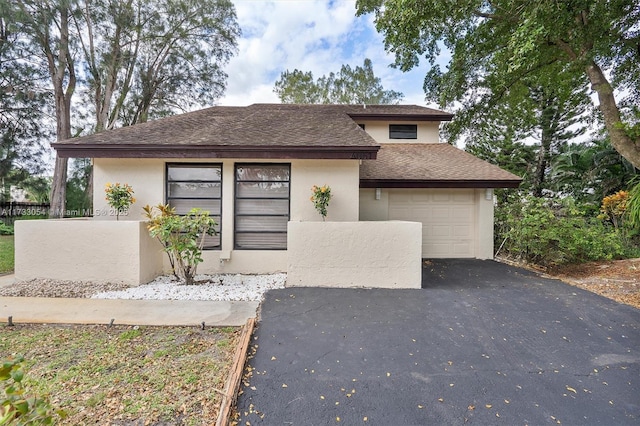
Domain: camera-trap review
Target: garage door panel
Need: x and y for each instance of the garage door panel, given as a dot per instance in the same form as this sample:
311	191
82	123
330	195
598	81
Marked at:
439	231
462	197
462	231
418	198
447	216
463	249
439	213
400	197
463	213
441	197
439	250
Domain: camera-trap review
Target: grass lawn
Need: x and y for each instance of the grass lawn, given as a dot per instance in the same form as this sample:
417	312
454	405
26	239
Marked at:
126	375
6	253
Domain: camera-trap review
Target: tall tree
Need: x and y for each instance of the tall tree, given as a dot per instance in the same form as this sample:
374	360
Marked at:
501	144
47	24
347	86
533	111
505	41
148	59
142	59
21	103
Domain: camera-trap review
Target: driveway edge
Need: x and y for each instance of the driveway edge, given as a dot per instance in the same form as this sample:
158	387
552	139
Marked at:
233	381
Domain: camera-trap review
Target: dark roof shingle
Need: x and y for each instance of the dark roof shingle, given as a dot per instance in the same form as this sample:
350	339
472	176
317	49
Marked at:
265	125
431	165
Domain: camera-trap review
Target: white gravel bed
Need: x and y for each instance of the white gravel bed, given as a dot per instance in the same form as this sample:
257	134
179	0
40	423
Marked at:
209	287
225	287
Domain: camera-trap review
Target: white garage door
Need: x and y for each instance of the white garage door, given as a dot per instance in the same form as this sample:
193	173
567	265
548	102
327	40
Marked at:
447	216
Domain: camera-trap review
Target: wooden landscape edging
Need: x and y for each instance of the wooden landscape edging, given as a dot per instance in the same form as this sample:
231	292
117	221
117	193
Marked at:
233	381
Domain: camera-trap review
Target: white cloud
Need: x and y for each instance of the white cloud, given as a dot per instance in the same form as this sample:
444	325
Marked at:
281	35
310	35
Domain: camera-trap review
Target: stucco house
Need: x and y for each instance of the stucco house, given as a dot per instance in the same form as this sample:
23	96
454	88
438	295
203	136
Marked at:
399	193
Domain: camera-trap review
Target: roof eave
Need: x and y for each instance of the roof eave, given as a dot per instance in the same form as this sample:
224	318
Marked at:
439	183
195	151
402	117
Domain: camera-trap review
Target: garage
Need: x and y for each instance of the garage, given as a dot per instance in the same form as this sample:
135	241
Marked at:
446	189
447	217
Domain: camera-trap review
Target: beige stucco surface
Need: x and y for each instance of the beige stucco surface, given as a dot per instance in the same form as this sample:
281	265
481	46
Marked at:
86	250
147	177
355	254
472	202
428	132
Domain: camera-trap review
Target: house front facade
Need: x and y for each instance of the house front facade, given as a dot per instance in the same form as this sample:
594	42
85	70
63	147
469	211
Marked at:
253	169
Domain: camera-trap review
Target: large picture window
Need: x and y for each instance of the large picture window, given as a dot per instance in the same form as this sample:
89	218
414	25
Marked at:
262	206
196	186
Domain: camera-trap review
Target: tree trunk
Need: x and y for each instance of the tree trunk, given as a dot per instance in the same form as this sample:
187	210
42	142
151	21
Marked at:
58	188
63	78
621	141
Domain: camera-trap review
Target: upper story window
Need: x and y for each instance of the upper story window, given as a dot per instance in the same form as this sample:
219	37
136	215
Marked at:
403	131
262	206
196	186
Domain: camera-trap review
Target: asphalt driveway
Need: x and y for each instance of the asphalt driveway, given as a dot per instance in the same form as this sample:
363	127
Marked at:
481	343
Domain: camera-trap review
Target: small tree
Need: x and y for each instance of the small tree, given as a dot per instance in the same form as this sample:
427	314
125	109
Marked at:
614	208
320	199
182	237
119	197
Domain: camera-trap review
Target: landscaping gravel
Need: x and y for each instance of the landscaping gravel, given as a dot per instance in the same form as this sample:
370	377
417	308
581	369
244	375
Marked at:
225	287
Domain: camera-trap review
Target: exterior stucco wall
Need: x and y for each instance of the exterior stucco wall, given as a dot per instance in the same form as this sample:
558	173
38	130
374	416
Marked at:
147	177
484	226
355	254
372	209
343	176
428	132
86	250
378	210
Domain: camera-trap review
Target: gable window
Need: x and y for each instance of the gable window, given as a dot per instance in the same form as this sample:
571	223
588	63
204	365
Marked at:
196	186
403	131
262	206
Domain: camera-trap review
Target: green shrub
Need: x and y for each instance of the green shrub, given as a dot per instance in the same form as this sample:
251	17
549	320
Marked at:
554	232
182	237
16	407
5	229
633	206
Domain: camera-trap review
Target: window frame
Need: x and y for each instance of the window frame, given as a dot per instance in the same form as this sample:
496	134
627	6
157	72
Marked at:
236	198
395	131
168	198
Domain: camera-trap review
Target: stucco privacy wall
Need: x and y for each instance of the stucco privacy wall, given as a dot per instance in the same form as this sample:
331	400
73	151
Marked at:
428	132
147	177
378	210
355	254
86	250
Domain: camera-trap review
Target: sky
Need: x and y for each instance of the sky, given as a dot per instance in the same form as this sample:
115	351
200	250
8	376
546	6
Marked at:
309	35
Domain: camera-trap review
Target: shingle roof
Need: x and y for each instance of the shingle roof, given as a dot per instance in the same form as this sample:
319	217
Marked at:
431	165
255	128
